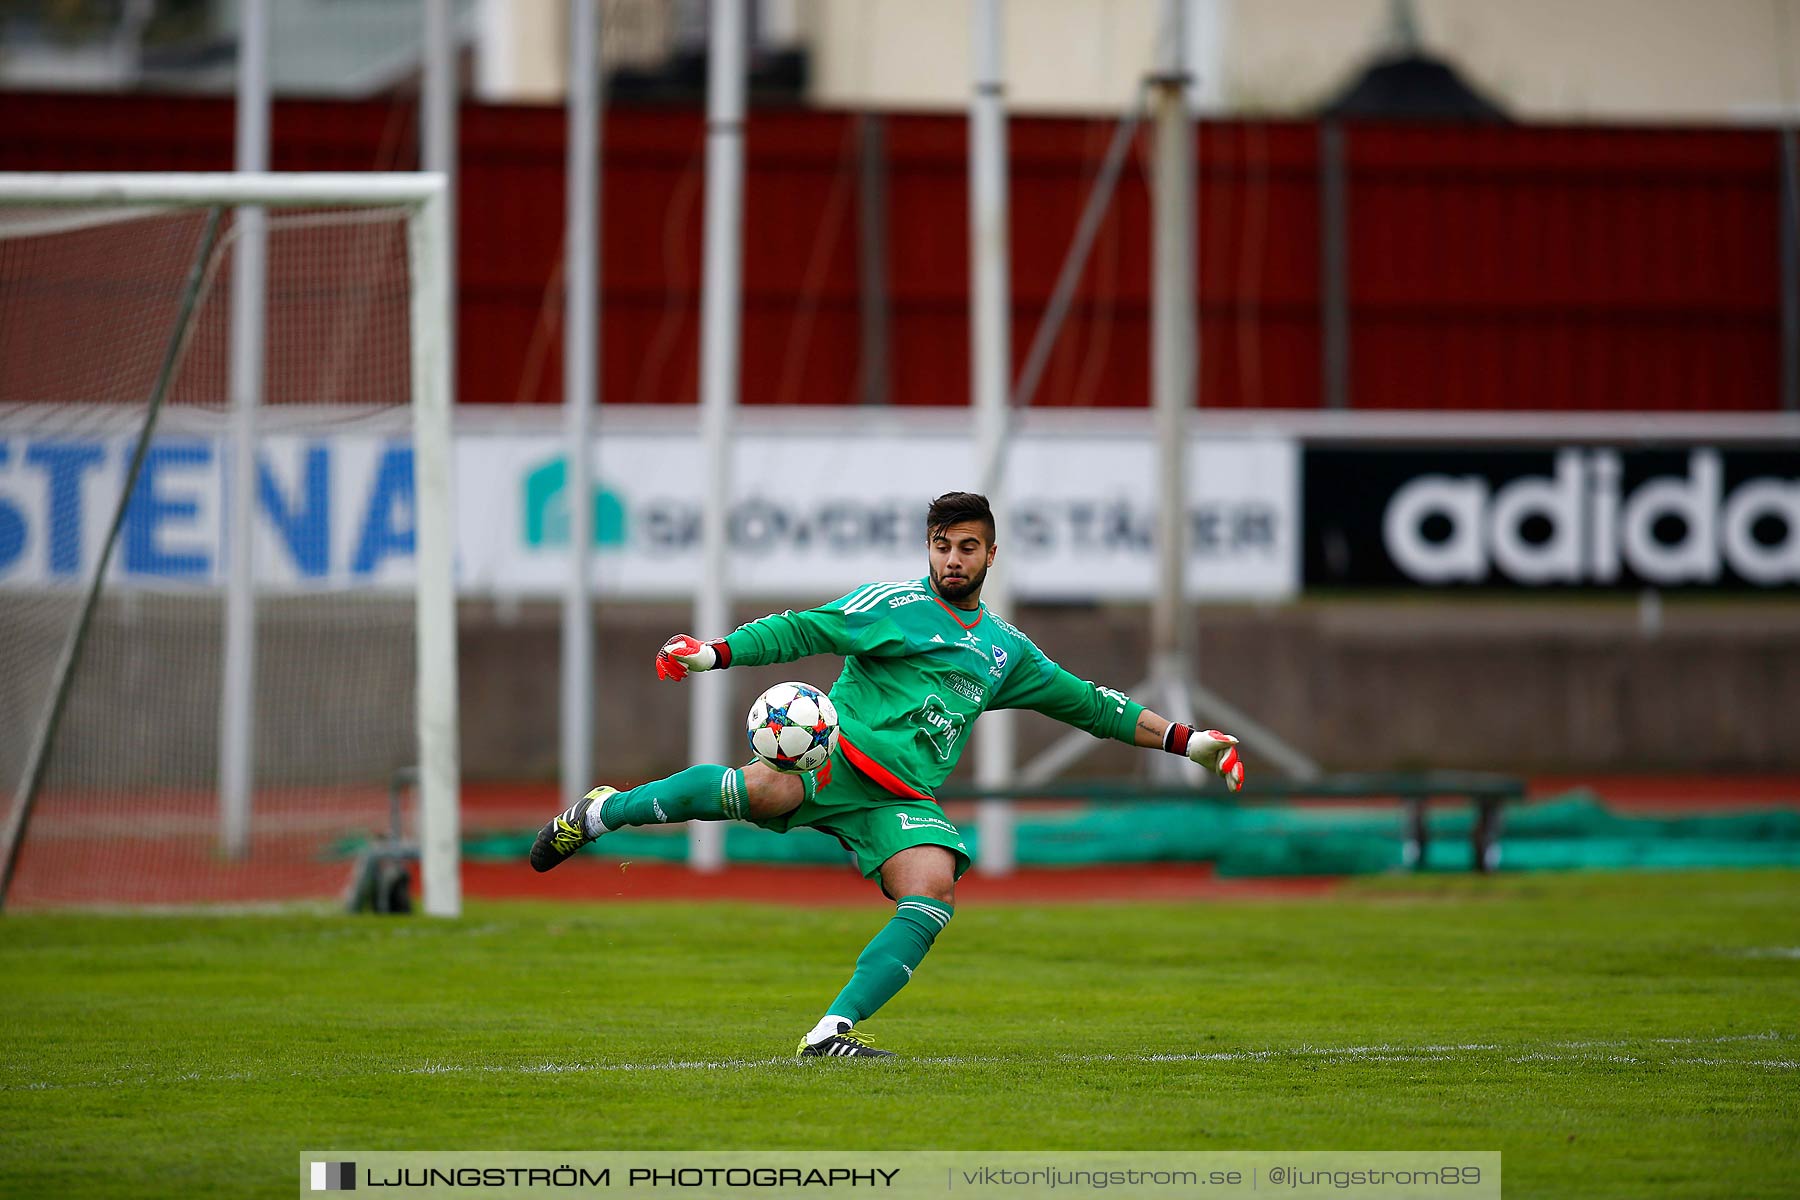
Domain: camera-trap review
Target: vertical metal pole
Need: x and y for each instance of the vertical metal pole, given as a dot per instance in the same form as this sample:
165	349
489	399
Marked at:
719	319
1790	270
439	790
580	377
872	247
990	368
496	51
990	327
237	694
438	133
1334	264
1207	35
1174	333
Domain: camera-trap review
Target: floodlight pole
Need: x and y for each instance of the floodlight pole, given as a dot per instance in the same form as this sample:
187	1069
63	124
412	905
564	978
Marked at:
1174	373
438	129
1174	359
249	259
580	393
720	311
990	369
1175	336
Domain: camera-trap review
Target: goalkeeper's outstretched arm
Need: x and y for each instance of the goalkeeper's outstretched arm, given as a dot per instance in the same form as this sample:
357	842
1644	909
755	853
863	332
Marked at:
1042	686
783	637
840	627
1211	749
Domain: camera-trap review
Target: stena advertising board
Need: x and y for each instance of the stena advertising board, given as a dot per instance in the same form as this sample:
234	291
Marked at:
334	512
810	512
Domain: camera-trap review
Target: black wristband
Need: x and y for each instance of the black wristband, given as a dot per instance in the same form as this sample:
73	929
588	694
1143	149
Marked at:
722	653
1175	738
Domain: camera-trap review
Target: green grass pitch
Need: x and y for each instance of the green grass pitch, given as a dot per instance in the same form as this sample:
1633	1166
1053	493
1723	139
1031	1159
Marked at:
1613	1035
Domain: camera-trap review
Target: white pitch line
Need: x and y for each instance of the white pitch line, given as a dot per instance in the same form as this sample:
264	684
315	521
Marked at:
1779	1064
1607	1050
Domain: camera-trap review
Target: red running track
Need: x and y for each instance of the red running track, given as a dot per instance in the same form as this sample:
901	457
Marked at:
163	853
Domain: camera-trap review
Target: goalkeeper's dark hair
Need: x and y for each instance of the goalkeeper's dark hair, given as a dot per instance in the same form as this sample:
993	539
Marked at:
953	508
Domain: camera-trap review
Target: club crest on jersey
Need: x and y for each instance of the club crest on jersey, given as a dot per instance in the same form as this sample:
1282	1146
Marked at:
999	659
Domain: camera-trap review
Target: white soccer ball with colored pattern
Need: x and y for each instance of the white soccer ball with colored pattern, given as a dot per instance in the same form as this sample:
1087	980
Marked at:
793	727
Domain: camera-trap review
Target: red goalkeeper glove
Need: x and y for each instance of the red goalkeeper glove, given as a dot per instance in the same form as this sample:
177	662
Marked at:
683	653
1211	749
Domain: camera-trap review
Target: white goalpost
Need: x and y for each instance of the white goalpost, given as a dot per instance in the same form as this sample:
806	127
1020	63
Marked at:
136	506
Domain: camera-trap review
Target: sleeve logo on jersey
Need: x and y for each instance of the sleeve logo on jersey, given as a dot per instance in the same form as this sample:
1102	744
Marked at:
906	598
940	726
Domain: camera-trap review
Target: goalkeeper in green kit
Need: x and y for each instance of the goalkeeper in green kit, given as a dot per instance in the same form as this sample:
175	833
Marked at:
922	659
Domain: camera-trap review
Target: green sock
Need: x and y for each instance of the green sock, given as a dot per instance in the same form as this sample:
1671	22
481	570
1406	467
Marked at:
704	793
889	959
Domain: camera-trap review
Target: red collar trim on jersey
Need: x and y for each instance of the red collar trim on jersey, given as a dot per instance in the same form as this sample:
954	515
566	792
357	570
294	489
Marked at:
880	774
979	612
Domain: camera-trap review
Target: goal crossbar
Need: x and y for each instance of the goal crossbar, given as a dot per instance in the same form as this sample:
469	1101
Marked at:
273	189
424	196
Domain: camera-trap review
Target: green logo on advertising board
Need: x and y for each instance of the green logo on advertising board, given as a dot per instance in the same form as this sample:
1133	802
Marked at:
547	509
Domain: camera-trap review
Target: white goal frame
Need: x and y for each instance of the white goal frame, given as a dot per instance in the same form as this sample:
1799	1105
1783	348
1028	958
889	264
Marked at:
424	199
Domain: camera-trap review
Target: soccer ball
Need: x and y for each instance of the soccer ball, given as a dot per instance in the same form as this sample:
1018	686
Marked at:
793	727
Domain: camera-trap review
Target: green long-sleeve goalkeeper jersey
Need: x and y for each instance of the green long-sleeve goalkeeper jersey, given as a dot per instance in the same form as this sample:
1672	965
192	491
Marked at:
917	672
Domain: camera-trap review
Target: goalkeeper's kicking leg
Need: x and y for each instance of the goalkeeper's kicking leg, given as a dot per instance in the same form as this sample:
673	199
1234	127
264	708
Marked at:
705	793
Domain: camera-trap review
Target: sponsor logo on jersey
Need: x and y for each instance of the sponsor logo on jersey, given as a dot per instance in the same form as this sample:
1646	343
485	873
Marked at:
939	639
906	598
875	593
972	641
969	689
939	725
908	821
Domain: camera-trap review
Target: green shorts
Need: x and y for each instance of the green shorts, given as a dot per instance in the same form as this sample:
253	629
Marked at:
870	821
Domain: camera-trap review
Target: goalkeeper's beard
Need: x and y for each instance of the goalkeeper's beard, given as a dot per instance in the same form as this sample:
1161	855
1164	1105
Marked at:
959	589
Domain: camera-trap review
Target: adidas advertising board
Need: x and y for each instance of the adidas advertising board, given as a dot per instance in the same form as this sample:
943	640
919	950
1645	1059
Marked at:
1587	516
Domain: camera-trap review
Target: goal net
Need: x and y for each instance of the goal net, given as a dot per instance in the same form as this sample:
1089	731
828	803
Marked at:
226	616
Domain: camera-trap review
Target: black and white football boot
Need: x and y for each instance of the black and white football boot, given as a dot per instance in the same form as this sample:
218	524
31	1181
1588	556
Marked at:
567	832
845	1043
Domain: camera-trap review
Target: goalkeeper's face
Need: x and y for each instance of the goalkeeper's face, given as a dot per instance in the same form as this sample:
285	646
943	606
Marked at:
960	557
